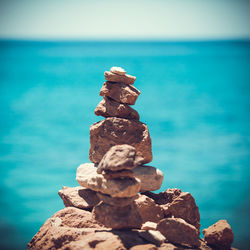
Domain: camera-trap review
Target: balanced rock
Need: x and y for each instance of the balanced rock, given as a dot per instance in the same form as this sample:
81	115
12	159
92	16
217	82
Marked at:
114	201
117	217
110	108
118	71
178	204
178	231
116	131
149	225
120	92
87	177
219	235
127	79
151	178
79	197
184	207
119	157
148	210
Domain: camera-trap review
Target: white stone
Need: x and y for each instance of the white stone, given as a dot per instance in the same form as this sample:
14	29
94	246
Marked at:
118	71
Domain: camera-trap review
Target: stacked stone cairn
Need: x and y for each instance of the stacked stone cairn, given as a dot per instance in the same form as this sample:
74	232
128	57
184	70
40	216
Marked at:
120	145
115	190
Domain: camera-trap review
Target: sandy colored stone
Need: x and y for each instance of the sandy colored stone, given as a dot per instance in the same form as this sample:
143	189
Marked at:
153	236
113	201
116	131
120	92
118	174
117	217
118	71
87	177
118	157
219	235
178	231
151	178
149	225
110	108
127	79
78	197
178	204
184	207
148	209
169	246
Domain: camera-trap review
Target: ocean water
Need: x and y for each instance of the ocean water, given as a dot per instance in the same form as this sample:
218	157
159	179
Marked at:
194	99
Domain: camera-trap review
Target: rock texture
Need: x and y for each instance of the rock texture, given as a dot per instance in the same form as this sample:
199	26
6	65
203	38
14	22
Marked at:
110	108
79	197
117	217
178	231
151	178
119	157
88	178
120	92
219	235
111	77
116	131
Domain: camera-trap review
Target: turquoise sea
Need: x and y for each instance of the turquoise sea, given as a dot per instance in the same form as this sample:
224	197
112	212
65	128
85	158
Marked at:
195	99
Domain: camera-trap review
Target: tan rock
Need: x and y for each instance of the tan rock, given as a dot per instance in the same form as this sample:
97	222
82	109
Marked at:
78	197
184	207
127	79
110	108
148	209
118	157
118	174
178	231
219	235
117	217
151	178
178	204
153	236
87	177
116	131
169	246
113	201
120	92
118	71
149	225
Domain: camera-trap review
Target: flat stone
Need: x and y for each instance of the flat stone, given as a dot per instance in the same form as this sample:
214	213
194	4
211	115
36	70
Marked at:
117	217
127	79
118	174
151	178
148	209
116	131
149	225
78	197
110	108
219	235
120	92
118	71
178	231
153	236
87	177
144	247
118	202
118	157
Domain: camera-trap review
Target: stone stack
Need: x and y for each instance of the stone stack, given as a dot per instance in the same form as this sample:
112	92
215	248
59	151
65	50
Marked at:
119	146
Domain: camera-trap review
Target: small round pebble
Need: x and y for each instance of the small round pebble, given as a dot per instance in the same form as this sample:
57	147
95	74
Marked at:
118	71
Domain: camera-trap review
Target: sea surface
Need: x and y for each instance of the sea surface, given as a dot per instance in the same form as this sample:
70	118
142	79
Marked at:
195	99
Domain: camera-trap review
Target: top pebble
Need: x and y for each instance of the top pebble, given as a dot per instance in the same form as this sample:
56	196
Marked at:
118	71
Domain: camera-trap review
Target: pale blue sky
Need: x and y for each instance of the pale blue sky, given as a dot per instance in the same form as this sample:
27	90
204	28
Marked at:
131	19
